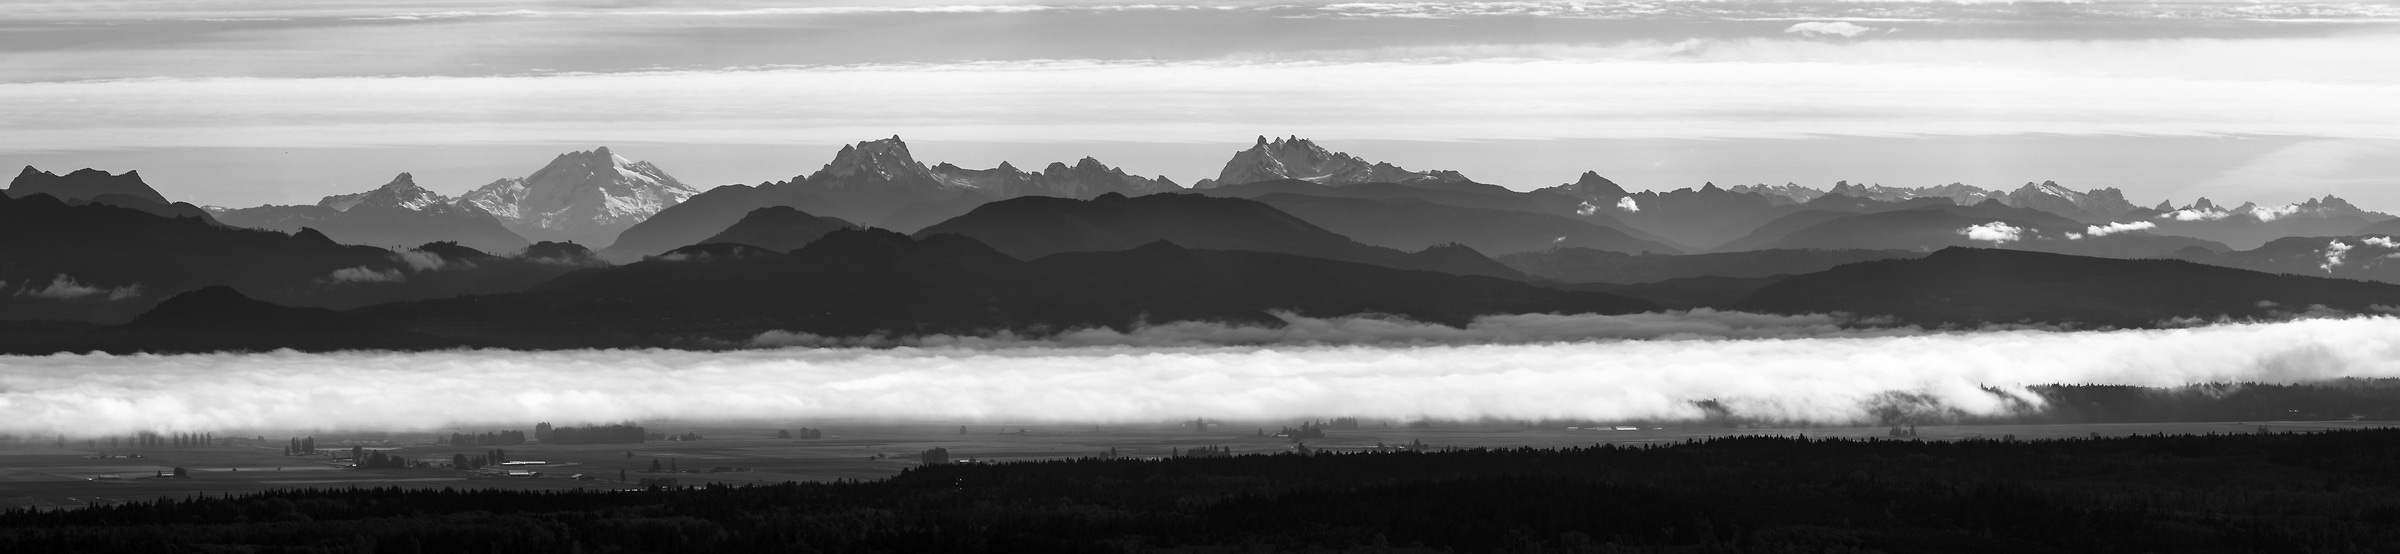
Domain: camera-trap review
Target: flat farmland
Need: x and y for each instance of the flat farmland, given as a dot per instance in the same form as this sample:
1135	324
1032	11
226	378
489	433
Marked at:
43	474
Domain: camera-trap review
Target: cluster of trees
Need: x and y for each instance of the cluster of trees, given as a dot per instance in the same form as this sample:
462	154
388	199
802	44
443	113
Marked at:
148	439
2297	492
502	438
669	467
491	457
1219	451
621	433
668	437
1306	431
805	434
378	460
301	445
1342	424
936	455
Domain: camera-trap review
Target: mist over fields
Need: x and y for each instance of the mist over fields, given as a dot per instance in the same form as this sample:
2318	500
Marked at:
1786	369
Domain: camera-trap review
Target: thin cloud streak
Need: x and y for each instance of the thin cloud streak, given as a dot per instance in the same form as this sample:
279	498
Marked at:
1834	379
1184	102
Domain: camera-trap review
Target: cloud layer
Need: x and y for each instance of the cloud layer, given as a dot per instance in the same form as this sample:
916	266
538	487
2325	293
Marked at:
1823	375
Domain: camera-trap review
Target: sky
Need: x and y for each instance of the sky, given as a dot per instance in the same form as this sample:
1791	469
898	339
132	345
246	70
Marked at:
240	103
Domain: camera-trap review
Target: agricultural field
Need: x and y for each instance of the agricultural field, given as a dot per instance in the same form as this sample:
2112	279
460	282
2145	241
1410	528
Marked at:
40	473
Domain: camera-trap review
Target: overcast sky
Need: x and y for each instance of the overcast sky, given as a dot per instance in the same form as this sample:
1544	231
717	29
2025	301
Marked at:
243	103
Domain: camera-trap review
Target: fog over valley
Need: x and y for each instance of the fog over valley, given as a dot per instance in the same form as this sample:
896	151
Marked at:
1800	373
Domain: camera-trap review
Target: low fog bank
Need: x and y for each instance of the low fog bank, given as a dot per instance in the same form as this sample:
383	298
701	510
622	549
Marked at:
1830	375
1363	330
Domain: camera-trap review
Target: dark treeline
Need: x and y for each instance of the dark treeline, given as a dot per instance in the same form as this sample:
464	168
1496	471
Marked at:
503	438
2335	491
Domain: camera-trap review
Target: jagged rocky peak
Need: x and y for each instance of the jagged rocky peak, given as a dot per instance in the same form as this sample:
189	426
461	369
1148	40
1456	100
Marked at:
83	184
1298	158
402	192
887	159
1086	179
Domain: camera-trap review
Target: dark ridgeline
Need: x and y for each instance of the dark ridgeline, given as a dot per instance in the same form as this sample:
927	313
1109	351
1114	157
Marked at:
876	183
2336	491
1034	227
1973	286
618	433
106	264
397	213
778	228
1087	245
861	282
1586	265
92	186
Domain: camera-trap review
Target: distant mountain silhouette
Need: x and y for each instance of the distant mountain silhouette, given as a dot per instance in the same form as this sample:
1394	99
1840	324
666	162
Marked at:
1585	265
1927	225
860	282
219	319
876	183
779	228
107	264
1685	293
1701	218
92	186
587	197
1457	194
398	213
1034	227
2250	226
2386	227
1300	159
1973	286
2369	257
1409	223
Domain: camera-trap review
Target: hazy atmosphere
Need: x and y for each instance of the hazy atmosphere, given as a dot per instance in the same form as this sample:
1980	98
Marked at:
239	104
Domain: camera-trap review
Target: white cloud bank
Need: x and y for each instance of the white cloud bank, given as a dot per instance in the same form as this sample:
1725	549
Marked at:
1828	378
1843	29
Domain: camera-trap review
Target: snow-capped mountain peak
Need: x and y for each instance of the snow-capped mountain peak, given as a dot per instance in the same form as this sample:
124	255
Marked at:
585	196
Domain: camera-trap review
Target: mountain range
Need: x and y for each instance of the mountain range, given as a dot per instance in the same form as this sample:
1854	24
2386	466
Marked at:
877	242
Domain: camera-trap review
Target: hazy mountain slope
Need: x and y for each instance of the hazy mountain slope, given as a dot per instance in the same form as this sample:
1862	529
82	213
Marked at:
1585	265
1459	194
876	183
221	319
1411	224
2368	257
1938	225
2250	226
107	264
1971	286
395	215
1033	227
860	282
702	216
1698	218
779	228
